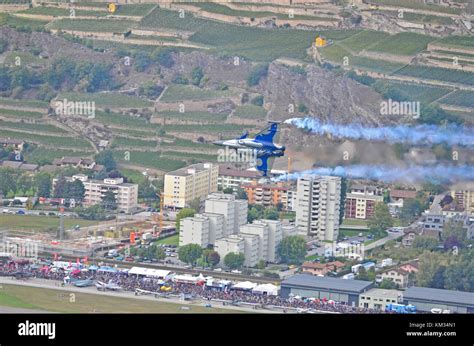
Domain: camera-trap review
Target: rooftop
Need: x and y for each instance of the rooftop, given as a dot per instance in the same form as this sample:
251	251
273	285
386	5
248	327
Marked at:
402	193
317	282
191	169
439	295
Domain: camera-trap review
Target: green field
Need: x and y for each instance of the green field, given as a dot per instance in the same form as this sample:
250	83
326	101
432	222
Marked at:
194	116
438	73
405	43
62	12
421	18
124	142
176	93
9	113
38	223
111	118
363	40
60	301
416	5
22	23
458	41
179	142
254	43
461	98
31	127
250	112
337	54
103	25
173	240
190	155
138	10
23	103
209	128
54	141
133	176
112	100
417	92
149	159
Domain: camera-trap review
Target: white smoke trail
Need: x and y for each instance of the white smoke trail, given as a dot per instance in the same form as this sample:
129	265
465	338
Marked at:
411	174
418	134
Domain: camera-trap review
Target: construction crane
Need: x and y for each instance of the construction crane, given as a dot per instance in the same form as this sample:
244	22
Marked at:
160	216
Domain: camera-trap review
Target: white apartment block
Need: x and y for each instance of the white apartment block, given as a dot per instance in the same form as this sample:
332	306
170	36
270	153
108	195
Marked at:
234	211
288	230
275	235
251	249
216	226
126	195
317	206
270	235
232	243
194	230
186	184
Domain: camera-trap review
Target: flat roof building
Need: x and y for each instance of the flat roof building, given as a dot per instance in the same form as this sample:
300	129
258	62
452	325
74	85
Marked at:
309	286
426	299
378	298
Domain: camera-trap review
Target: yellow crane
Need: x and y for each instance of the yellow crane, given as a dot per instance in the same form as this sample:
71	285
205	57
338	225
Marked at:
161	214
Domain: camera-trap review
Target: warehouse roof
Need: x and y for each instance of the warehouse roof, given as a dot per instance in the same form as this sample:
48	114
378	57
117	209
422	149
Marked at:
439	295
327	283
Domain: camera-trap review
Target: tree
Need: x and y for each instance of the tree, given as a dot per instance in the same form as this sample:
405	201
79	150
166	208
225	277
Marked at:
146	190
241	194
157	252
292	249
431	270
196	76
59	187
164	57
7	181
343	198
228	190
426	243
454	234
43	185
271	214
211	257
362	274
109	201
195	204
257	74
412	208
106	159
190	253
183	213
234	261
74	190
382	219
388	284
261	264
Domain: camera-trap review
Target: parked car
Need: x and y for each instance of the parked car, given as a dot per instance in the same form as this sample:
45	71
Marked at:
21	212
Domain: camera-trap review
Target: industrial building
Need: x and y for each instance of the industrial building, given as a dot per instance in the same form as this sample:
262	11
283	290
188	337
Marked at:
189	183
378	298
426	299
309	286
317	206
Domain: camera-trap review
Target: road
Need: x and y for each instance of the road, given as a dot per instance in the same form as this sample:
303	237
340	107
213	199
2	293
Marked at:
380	242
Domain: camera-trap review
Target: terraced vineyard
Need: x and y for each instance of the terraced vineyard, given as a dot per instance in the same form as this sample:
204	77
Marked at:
460	98
10	113
250	112
103	25
31	127
254	43
41	155
188	92
438	73
404	43
148	159
112	100
124	142
415	92
193	116
52	141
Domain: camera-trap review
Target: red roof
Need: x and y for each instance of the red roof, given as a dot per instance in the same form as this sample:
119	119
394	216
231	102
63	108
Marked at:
402	194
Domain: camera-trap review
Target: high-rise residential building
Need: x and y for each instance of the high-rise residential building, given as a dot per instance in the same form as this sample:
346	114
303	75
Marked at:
317	206
189	183
232	243
361	201
126	195
275	235
234	210
194	230
270	235
268	195
216	226
251	249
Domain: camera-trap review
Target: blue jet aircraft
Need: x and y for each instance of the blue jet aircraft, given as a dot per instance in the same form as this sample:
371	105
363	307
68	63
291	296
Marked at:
266	149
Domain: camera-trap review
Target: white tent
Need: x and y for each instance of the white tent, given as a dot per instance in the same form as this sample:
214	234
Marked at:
268	289
186	279
245	285
148	272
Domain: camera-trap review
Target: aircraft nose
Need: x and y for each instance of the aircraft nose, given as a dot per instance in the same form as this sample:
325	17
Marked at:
218	142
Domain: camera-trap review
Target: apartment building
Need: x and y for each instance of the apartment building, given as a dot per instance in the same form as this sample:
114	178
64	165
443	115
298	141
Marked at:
270	235
463	194
234	178
267	195
232	243
126	195
194	230
251	249
234	211
317	206
186	184
361	201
